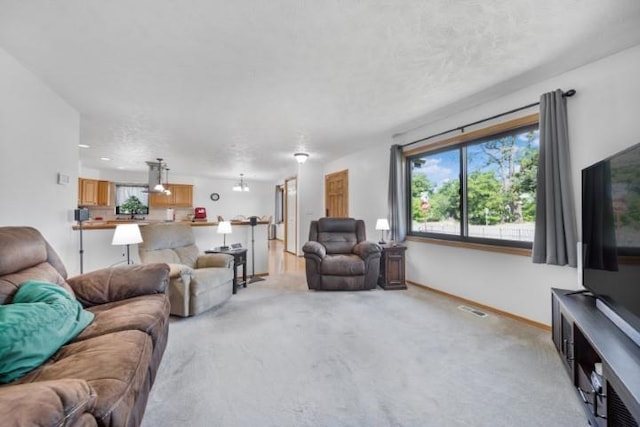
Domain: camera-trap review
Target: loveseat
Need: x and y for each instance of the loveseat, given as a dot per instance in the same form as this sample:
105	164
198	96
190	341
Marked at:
198	281
103	375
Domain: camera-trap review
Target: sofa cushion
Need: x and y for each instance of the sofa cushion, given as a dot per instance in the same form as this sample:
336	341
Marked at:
66	402
147	314
10	283
114	365
342	265
42	318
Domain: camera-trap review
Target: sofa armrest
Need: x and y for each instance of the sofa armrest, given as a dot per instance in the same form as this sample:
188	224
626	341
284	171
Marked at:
315	249
367	249
214	260
119	283
47	403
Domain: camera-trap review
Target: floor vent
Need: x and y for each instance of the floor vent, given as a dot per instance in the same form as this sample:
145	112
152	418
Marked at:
472	310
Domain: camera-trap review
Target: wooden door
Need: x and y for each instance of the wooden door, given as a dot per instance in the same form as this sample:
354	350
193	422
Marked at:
336	191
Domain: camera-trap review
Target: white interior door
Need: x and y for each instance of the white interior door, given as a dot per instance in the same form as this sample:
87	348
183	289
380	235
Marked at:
291	235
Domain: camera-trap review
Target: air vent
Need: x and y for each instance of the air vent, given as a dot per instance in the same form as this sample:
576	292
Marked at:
472	310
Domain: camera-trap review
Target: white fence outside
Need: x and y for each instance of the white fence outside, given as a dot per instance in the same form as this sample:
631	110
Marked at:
522	232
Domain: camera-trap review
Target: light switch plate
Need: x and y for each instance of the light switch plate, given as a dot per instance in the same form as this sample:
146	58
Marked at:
63	179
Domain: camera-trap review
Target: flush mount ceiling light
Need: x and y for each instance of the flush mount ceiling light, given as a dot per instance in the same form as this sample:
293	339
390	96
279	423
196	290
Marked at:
241	186
301	157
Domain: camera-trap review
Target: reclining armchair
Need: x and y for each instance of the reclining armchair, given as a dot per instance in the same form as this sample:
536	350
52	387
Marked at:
197	281
338	257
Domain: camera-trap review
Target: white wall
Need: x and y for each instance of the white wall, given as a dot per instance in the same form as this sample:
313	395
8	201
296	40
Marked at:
310	199
603	119
39	135
368	184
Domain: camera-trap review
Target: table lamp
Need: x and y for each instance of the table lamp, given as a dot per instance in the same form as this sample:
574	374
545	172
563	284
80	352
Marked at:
383	225
127	234
224	228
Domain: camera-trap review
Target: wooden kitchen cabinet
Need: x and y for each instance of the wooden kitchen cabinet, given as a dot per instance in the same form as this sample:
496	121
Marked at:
106	193
93	192
87	192
181	196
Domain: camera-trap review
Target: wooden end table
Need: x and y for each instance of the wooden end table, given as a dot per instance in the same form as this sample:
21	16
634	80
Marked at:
239	259
392	266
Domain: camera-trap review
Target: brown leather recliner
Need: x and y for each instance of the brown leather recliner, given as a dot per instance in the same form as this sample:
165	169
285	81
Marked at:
338	257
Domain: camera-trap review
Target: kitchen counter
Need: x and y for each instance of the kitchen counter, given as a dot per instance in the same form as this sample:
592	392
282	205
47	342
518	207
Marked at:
111	224
99	252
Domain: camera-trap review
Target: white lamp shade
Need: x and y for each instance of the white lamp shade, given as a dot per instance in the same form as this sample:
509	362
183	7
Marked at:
382	224
224	227
127	234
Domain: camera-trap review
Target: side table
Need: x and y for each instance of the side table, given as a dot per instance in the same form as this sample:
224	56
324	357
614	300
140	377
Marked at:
239	259
392	266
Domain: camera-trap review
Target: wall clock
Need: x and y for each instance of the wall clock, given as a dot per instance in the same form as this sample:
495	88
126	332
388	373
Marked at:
215	197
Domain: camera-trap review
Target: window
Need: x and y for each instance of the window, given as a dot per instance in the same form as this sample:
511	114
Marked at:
480	188
132	199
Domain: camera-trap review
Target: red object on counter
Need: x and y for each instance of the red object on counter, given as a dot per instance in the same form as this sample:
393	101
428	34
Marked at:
200	213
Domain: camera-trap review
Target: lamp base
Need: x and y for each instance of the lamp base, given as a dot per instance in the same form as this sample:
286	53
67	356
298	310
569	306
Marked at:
382	242
256	279
223	248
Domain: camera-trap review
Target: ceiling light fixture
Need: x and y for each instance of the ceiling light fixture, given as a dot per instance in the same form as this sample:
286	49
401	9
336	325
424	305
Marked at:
301	157
155	177
167	191
83	146
241	186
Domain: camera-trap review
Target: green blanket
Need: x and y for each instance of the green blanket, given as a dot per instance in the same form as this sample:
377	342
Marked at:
42	318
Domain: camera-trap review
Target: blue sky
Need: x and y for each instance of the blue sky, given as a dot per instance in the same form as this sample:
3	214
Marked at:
445	166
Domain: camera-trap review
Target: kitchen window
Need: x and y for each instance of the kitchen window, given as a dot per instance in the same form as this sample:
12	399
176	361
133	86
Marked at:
478	188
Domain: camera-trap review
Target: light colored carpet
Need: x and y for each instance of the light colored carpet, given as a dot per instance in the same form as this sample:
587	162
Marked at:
277	354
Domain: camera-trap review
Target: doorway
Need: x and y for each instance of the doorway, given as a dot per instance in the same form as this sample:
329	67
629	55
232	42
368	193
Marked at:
336	194
290	215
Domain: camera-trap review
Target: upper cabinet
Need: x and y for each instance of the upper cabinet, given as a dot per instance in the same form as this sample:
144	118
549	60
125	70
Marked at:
87	192
93	192
181	197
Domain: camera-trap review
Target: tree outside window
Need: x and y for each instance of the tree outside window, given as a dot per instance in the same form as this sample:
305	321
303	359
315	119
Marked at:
497	200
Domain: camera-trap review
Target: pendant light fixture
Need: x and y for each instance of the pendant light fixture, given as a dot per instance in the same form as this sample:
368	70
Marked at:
155	177
241	186
167	191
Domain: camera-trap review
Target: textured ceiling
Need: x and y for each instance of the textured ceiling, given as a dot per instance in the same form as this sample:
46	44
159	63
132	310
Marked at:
220	88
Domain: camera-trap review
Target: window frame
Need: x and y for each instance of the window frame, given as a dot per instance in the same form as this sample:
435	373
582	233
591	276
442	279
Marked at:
462	142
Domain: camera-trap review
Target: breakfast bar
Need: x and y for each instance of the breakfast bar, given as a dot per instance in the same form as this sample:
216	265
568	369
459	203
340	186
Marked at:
98	252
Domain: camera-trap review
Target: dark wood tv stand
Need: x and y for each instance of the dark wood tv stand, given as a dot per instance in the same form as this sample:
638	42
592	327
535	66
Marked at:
589	344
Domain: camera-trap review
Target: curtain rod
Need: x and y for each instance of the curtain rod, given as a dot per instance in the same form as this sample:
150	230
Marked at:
566	94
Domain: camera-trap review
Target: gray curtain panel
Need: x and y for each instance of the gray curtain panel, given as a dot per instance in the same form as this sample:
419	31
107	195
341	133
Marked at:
397	195
555	234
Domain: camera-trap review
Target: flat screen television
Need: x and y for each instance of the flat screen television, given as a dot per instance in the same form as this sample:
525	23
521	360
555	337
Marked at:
611	237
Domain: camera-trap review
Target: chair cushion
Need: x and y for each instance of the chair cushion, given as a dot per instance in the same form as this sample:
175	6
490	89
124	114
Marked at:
206	279
342	265
42	318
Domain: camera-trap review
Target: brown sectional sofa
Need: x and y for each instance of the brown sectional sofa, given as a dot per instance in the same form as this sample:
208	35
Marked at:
103	376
